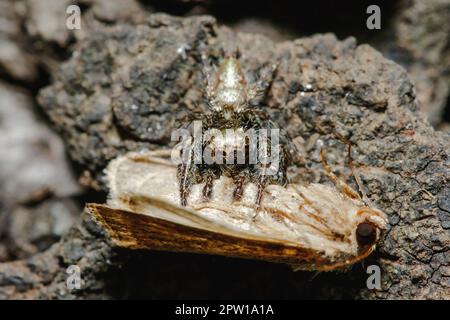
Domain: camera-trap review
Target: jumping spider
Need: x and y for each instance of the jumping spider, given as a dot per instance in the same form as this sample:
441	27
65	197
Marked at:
231	101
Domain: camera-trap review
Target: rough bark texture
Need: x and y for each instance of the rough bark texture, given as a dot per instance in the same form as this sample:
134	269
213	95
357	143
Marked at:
124	88
425	54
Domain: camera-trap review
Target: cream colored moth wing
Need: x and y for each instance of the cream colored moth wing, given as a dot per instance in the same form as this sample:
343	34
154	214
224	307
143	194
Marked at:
146	222
139	231
312	227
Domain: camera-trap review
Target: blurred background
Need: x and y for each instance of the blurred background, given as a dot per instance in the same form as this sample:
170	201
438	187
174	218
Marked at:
41	193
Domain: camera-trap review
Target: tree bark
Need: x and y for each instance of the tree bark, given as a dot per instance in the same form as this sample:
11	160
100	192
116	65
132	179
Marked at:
128	86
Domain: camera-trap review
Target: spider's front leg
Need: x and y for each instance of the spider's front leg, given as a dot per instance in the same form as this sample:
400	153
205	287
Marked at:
209	176
260	179
184	178
185	173
273	171
261	184
239	182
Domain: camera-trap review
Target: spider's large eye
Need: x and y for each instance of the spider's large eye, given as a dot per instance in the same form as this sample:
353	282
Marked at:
366	233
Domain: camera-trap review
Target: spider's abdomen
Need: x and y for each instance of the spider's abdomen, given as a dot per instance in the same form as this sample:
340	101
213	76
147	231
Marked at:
228	93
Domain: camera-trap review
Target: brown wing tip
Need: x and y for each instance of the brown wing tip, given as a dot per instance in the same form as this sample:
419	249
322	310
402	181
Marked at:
116	224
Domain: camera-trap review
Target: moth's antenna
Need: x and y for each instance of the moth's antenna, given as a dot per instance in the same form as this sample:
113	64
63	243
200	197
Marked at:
338	182
357	177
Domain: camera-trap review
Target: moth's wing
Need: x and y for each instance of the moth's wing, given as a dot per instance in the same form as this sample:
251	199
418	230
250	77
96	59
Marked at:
163	209
140	231
143	213
128	173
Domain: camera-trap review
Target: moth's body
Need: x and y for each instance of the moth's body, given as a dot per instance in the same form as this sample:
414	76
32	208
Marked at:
228	95
314	227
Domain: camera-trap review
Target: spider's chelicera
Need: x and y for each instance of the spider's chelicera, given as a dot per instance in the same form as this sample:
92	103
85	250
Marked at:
234	138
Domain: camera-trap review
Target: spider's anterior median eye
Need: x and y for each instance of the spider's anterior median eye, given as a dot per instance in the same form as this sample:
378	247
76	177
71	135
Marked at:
366	233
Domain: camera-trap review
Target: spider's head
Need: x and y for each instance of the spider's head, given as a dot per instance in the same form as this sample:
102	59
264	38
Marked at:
228	90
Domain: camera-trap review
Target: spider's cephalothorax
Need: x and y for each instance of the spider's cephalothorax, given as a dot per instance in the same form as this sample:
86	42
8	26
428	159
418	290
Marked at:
238	139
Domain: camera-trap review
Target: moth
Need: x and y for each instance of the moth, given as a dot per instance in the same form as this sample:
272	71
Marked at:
312	227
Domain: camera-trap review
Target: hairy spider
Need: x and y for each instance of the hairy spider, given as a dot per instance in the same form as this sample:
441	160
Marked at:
237	140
